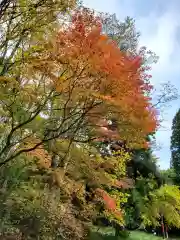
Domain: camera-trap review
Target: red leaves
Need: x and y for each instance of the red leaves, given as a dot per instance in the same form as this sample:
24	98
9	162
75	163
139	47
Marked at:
109	202
119	81
136	61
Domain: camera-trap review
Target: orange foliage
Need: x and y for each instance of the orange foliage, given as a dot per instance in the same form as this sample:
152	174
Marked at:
42	156
94	68
44	159
109	202
106	72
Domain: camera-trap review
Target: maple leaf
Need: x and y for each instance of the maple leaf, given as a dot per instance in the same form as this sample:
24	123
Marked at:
109	202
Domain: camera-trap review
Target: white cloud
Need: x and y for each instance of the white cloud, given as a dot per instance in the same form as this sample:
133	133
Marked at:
102	5
162	40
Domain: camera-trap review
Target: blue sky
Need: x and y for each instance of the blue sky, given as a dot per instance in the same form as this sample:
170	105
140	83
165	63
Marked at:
159	24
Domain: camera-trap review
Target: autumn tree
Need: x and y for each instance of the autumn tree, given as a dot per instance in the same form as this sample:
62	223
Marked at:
79	58
22	23
52	104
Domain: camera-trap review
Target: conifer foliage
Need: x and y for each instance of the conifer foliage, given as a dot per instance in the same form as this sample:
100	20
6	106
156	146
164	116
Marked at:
175	146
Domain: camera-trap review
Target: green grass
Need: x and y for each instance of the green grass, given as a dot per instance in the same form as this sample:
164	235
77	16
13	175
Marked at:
108	234
143	236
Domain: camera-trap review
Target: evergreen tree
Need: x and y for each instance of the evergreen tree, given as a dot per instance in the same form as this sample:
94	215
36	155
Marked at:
175	146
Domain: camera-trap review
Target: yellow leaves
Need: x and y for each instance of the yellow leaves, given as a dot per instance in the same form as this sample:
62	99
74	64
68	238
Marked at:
170	193
62	78
58	178
62	83
103	97
43	157
8	85
120	159
164	201
4	79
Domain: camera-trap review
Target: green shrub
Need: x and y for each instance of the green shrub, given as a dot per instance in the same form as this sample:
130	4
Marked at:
124	234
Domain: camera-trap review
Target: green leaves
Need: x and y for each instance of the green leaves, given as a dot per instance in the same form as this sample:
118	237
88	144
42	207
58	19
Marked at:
175	147
165	202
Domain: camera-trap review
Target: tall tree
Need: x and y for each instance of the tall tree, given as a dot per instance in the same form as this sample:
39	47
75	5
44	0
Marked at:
163	202
53	108
175	146
80	57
